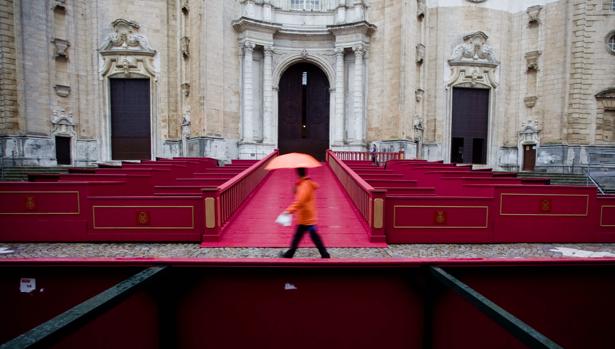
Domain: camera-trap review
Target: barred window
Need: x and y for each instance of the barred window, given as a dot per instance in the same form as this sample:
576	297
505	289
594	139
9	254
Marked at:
306	5
613	5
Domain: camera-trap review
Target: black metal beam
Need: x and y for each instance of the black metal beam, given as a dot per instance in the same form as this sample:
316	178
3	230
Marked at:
80	313
522	331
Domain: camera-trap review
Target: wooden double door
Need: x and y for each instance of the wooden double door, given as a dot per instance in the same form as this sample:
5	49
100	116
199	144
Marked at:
130	119
470	125
303	111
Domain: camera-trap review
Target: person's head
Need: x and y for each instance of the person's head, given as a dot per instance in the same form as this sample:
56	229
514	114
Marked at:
301	172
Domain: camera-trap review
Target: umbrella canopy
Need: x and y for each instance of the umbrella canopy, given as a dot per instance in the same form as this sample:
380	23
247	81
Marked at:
293	160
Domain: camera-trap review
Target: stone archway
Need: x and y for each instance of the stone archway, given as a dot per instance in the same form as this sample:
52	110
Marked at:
303	110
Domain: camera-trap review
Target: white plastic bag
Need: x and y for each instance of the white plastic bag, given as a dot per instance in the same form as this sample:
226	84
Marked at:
284	219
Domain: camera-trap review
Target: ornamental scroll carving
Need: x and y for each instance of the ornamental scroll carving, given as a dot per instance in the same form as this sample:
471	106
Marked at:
474	51
63	123
529	133
125	51
473	62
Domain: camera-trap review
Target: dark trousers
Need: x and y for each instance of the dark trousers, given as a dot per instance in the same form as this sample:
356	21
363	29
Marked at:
301	229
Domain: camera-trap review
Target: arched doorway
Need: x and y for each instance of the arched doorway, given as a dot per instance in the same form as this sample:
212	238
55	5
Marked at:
303	111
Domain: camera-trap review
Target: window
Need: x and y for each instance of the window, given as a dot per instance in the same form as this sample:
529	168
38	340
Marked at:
613	5
610	42
305	5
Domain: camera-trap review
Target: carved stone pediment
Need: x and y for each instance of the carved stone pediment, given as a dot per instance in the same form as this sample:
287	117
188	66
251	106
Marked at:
63	123
126	39
606	99
474	51
126	52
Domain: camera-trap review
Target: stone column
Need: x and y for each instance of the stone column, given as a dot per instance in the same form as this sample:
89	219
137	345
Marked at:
339	96
248	108
357	135
267	97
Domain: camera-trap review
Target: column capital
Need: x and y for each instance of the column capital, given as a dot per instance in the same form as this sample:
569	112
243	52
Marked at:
359	50
339	51
268	49
248	46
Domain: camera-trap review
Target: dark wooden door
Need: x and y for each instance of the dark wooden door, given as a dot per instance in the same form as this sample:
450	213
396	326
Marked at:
470	125
529	157
63	150
303	111
130	119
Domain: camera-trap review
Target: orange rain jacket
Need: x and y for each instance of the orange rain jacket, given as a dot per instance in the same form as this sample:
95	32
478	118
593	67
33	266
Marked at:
304	206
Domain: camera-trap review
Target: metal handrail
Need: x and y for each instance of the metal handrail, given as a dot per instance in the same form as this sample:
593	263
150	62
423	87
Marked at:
591	179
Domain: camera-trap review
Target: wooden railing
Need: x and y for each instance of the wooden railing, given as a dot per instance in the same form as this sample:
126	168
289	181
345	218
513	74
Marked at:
368	200
380	157
222	202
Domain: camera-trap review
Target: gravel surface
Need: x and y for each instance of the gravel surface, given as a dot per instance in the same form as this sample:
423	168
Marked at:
185	250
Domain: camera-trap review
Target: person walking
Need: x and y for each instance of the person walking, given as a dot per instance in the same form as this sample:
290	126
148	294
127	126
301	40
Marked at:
304	209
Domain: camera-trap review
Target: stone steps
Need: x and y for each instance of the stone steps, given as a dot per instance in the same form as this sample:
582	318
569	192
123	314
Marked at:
21	173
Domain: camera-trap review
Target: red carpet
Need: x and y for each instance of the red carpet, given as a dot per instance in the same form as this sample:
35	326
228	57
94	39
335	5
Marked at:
254	226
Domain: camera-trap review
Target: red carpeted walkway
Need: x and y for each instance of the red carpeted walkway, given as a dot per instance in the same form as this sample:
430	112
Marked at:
254	226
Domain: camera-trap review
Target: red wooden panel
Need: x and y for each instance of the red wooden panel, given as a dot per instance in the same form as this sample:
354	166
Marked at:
534	204
146	217
32	202
440	216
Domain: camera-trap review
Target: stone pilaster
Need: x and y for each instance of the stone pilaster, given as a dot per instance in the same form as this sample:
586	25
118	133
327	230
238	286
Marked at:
9	113
339	96
247	115
357	134
267	97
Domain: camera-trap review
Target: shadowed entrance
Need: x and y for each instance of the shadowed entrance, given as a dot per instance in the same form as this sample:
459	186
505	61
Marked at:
303	109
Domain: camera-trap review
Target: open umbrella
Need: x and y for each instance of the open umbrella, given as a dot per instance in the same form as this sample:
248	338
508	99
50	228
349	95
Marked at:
293	160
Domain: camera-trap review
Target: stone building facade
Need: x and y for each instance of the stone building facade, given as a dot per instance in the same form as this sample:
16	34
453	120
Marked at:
507	83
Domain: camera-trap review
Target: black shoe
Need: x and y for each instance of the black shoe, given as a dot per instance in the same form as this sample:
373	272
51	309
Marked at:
325	256
284	255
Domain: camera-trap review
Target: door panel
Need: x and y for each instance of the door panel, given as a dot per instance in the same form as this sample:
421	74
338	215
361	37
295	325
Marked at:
303	111
130	119
529	157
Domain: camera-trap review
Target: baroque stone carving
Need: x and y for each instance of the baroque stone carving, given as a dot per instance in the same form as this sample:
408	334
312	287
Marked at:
418	129
533	14
62	90
62	122
529	132
60	48
418	95
474	51
125	51
420	53
530	101
126	38
420	8
185	46
186	89
532	60
59	5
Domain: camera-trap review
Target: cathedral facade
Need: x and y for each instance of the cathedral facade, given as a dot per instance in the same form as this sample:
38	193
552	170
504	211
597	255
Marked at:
512	84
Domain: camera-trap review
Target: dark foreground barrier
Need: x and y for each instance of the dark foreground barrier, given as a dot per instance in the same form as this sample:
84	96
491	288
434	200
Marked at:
308	304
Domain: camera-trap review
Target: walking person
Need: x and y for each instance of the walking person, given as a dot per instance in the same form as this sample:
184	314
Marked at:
304	209
374	158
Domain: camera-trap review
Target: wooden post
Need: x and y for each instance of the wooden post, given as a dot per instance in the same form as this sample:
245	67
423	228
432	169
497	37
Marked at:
211	205
378	219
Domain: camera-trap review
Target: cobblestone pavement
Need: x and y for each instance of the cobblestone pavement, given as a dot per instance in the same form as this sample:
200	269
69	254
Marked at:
185	250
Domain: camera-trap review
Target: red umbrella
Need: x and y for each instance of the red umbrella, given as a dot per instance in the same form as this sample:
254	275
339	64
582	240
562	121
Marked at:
293	160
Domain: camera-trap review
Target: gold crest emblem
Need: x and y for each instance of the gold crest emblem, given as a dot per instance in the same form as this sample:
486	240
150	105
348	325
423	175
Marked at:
440	217
30	203
545	205
142	217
